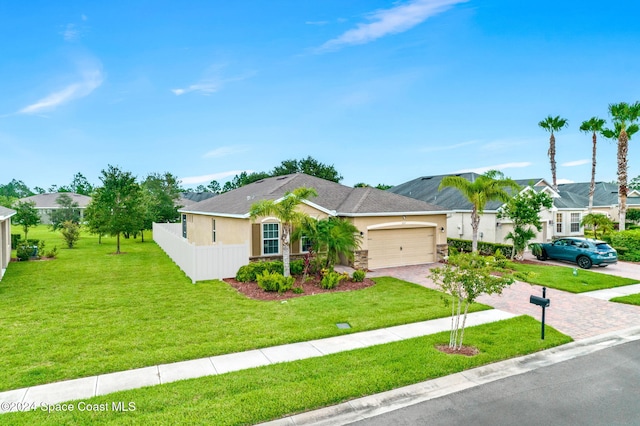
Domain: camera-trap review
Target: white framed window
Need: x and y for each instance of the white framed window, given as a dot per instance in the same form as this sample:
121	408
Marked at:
305	244
575	222
559	223
270	238
213	230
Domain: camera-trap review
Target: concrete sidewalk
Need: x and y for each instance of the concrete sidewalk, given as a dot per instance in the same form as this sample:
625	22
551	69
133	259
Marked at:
87	387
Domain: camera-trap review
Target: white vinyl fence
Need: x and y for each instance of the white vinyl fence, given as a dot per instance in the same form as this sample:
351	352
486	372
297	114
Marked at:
200	262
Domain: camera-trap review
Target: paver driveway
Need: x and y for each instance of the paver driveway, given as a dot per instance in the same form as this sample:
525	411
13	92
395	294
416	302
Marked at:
576	315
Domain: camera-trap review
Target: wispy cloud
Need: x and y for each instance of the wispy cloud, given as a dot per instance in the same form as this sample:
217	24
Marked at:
193	180
223	151
390	21
316	22
447	147
505	144
212	82
91	78
575	163
496	167
72	32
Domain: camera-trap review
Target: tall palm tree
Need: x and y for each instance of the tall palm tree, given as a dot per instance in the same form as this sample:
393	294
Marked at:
593	125
553	124
332	236
487	187
624	117
285	210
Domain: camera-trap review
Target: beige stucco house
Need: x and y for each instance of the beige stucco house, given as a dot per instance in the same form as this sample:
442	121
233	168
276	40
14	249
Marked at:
562	220
395	230
46	203
5	238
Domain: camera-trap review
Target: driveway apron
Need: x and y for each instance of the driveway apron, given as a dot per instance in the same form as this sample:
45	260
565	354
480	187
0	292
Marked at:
577	315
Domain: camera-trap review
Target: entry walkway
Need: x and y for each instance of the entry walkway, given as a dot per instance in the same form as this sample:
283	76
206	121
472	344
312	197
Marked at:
88	387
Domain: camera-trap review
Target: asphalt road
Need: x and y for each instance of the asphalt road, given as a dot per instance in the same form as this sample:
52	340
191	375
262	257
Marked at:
602	388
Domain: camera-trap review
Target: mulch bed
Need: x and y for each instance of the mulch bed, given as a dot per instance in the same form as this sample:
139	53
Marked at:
464	350
310	287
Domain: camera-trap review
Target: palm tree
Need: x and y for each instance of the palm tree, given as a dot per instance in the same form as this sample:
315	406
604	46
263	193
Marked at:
593	125
597	221
553	124
285	210
332	236
487	187
623	116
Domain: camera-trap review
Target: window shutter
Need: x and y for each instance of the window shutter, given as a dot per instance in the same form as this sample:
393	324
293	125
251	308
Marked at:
255	239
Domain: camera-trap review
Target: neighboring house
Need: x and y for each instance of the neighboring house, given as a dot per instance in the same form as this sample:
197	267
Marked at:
605	197
5	238
46	203
395	230
563	219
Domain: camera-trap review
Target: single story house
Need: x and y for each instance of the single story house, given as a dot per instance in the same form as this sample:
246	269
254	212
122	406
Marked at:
562	220
46	203
605	197
395	230
5	238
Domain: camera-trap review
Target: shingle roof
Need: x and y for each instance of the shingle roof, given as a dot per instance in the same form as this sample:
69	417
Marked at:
189	198
425	188
48	201
6	212
332	197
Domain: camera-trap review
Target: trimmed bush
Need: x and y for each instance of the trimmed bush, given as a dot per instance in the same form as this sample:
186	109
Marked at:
358	276
25	250
15	239
274	281
250	272
627	243
484	247
296	267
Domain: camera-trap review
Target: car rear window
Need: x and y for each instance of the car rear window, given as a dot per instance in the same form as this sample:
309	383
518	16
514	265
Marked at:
603	246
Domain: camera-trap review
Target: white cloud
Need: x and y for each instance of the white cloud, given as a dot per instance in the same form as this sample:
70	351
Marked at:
212	82
575	163
561	181
193	180
70	32
317	22
90	79
447	147
223	151
502	166
390	21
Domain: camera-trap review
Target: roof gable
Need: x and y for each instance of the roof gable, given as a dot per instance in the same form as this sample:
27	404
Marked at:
48	200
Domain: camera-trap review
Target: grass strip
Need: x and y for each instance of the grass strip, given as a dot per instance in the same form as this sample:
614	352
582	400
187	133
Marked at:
266	393
562	278
632	299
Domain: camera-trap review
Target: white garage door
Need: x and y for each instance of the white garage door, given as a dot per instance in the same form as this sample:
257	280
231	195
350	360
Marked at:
400	247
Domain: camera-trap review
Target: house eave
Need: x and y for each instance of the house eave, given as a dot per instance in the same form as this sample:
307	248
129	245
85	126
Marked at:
378	214
231	215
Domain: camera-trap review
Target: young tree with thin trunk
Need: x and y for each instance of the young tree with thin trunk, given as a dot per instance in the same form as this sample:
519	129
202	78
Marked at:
490	186
286	211
26	215
465	277
553	124
624	117
594	125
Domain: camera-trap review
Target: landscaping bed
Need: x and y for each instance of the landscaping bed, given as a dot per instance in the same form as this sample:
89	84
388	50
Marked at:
309	288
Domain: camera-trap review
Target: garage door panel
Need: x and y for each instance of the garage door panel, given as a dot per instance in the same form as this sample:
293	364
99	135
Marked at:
399	247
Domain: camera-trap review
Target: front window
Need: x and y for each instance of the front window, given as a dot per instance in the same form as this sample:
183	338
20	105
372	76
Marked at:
270	238
575	222
559	223
213	230
305	244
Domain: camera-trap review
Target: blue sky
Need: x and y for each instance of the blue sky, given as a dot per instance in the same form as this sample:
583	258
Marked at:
386	91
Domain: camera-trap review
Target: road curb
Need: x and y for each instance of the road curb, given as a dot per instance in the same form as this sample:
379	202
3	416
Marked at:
374	405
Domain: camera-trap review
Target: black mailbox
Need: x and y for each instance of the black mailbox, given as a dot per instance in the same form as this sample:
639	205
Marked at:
540	301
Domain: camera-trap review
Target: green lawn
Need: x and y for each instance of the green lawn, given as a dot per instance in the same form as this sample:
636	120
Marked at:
562	278
633	299
265	393
90	312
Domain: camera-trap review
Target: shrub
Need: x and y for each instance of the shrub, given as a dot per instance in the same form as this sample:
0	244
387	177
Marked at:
501	259
627	243
15	239
25	250
484	247
274	281
296	267
51	254
331	279
298	290
358	276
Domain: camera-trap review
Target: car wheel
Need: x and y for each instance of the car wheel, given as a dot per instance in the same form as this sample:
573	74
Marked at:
584	262
542	256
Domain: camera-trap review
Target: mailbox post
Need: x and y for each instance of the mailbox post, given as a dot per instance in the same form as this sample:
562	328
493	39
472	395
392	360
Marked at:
543	302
